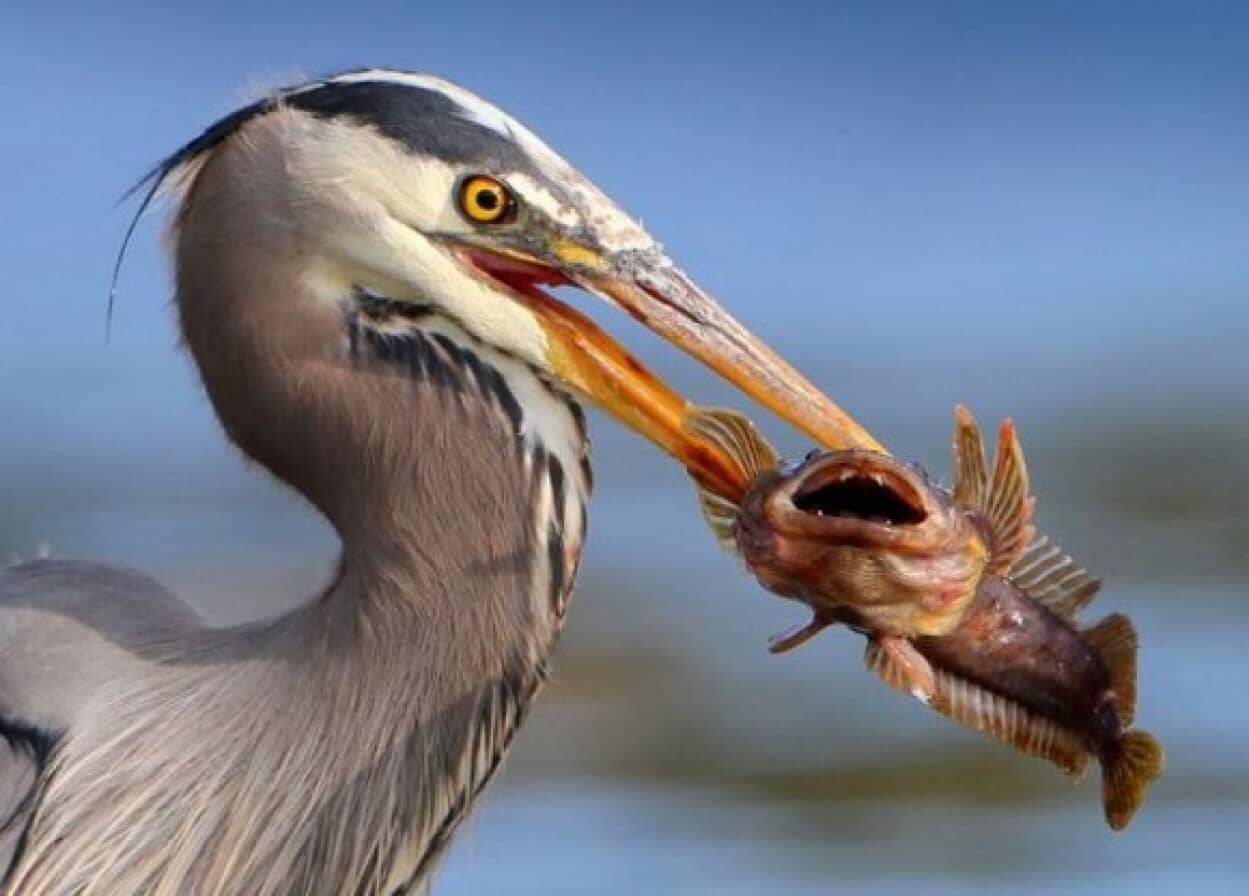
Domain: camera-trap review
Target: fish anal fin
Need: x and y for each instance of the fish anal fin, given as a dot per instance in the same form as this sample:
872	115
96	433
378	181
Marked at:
1010	722
980	709
1114	639
1133	763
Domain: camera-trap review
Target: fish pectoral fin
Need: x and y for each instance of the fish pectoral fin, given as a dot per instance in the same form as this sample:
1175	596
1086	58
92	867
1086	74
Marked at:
750	451
901	666
719	514
783	642
740	438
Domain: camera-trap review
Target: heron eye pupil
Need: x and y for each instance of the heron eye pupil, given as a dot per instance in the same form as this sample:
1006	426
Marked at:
488	200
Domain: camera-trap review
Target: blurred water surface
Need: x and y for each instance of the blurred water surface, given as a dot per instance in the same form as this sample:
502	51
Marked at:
1041	213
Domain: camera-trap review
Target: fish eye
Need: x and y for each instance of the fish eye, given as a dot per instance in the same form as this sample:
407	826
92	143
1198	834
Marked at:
485	200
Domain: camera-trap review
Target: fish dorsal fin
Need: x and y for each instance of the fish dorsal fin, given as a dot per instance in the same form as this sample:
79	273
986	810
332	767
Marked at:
999	717
745	445
1003	499
1114	640
1050	576
971	474
1010	505
1032	563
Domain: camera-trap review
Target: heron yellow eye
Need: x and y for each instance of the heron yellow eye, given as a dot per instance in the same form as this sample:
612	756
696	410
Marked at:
484	200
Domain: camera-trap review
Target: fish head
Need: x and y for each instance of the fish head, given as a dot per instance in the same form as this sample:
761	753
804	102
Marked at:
864	538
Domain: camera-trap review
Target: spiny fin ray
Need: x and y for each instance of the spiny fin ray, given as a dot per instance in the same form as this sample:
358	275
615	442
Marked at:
971	475
1010	505
1031	562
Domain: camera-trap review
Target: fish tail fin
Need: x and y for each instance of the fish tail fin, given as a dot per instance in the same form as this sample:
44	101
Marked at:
1114	640
1133	763
751	453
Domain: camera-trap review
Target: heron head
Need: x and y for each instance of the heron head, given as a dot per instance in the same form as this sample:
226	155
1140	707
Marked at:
414	188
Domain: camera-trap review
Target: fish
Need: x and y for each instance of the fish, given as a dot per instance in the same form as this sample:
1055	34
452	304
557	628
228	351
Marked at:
963	603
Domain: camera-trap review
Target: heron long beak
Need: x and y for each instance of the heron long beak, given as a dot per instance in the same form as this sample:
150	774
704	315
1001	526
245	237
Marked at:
667	302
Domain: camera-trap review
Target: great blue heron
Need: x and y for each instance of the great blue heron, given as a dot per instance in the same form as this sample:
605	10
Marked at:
358	269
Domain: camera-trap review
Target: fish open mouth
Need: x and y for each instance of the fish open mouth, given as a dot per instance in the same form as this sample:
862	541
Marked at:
862	491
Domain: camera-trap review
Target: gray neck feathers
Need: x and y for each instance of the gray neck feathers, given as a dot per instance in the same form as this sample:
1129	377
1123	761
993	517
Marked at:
347	738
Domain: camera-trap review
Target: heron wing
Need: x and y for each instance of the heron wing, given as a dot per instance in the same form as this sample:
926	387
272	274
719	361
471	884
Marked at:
23	754
66	628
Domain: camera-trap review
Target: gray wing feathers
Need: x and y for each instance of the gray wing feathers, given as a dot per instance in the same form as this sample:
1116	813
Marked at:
20	766
67	626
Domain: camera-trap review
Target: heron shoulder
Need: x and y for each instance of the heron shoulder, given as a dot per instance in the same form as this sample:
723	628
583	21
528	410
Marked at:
68	626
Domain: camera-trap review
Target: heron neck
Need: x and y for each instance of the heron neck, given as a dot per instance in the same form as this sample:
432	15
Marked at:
461	526
459	555
445	465
456	480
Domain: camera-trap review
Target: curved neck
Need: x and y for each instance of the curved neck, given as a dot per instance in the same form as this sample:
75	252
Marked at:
452	473
456	479
336	748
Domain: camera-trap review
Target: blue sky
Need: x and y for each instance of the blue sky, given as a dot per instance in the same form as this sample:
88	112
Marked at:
1039	211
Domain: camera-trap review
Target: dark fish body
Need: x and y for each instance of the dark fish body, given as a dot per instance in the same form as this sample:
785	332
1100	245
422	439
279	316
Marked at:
963	605
1028	676
1012	644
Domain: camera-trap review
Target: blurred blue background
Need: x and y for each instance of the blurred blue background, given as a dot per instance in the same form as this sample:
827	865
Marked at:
1043	212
